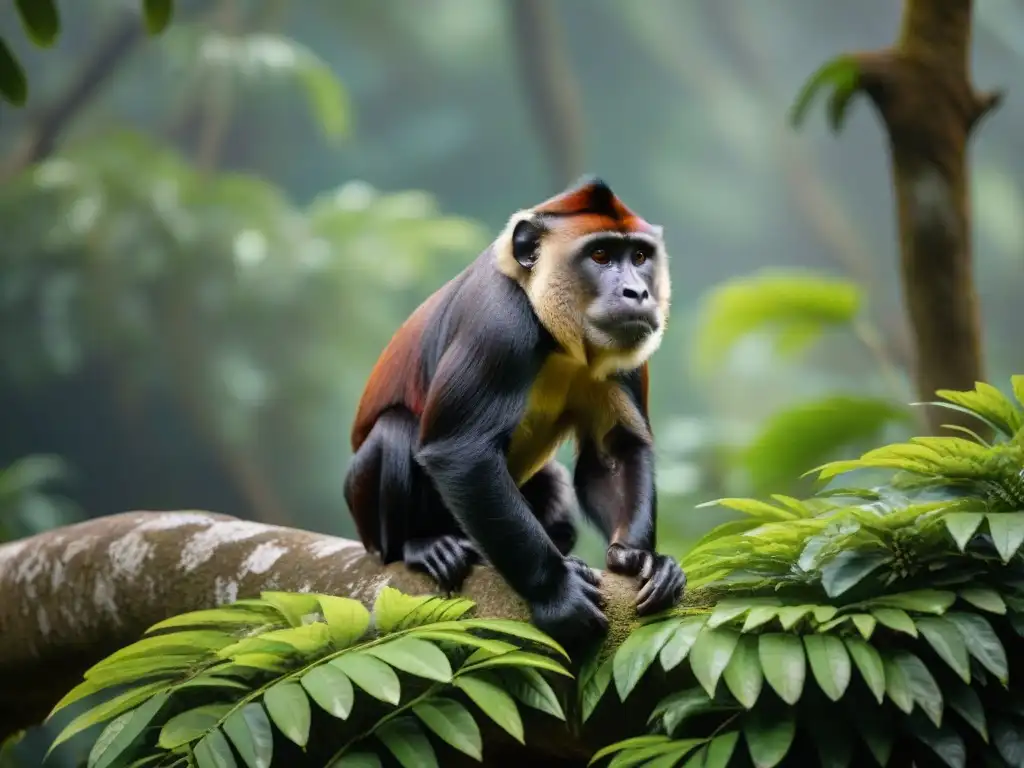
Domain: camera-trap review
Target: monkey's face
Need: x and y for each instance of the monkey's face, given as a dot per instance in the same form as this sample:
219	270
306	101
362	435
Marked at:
620	290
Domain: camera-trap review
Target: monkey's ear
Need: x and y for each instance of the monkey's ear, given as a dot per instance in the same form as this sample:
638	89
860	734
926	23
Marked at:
526	243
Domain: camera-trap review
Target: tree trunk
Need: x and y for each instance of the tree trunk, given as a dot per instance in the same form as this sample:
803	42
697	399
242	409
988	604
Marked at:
921	88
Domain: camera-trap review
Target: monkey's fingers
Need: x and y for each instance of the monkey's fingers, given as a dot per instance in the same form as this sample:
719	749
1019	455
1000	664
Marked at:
585	571
626	561
663	589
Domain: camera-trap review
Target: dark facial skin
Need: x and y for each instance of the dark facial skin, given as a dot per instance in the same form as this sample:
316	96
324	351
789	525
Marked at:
620	277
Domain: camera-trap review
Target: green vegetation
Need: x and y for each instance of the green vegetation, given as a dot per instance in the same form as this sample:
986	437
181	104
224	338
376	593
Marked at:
877	623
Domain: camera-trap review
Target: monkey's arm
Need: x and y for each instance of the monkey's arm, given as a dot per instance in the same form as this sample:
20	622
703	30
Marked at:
617	492
476	397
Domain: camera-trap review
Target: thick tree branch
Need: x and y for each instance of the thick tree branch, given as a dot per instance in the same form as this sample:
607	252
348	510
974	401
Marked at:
75	594
922	90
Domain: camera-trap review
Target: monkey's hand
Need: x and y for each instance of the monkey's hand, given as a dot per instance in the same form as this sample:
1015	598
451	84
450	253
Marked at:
662	581
447	559
573	611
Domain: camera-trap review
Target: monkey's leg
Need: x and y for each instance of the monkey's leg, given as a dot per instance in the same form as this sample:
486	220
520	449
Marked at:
552	498
396	508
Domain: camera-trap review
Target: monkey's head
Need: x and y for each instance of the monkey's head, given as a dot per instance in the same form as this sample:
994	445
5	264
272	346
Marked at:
596	274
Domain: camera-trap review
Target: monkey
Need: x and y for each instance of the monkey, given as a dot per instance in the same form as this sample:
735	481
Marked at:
544	337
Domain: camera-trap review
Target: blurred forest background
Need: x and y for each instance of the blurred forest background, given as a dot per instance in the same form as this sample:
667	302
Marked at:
206	238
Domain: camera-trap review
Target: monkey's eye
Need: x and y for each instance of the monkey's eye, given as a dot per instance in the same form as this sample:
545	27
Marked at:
599	255
639	257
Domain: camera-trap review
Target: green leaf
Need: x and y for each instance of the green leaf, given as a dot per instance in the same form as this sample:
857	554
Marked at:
191	725
13	85
847	569
529	687
711	654
213	681
637	653
727	610
944	742
417	657
516	629
108	710
830	664
898	687
870	665
158	15
843	75
964	700
800	436
678	646
743	674
875	729
759	616
922	601
1007	529
194	643
122	732
288	707
452	723
922	686
677	707
769	737
214	751
896	620
720	750
292	605
40	19
132	671
1009	742
372	675
784	664
330	688
216	617
347	619
948	643
673	750
962	526
984	599
595	676
518	659
982	643
249	730
635	742
496	647
791	614
864	623
494	702
797	306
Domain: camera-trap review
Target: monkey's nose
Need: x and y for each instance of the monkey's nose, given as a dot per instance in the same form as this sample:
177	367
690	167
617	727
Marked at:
637	293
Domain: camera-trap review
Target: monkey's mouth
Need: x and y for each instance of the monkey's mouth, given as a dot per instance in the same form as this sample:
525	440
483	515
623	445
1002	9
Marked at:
629	329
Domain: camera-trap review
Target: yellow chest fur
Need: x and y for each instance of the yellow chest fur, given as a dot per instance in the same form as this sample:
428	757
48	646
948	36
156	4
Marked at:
566	401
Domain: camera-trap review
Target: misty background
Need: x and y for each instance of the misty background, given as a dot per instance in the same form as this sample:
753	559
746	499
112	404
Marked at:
196	282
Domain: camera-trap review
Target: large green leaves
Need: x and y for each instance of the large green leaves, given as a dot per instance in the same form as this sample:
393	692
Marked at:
795	307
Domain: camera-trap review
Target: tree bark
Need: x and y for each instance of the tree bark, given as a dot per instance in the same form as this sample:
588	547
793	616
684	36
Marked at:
552	93
922	91
73	595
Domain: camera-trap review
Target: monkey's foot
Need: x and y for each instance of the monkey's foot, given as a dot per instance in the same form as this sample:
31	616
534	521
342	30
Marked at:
446	559
662	581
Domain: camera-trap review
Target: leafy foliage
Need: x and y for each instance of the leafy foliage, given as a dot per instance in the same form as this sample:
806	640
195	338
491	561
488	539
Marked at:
259	676
795	307
842	75
28	503
41	22
878	625
863	625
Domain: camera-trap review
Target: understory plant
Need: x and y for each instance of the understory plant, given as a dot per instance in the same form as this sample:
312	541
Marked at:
878	623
